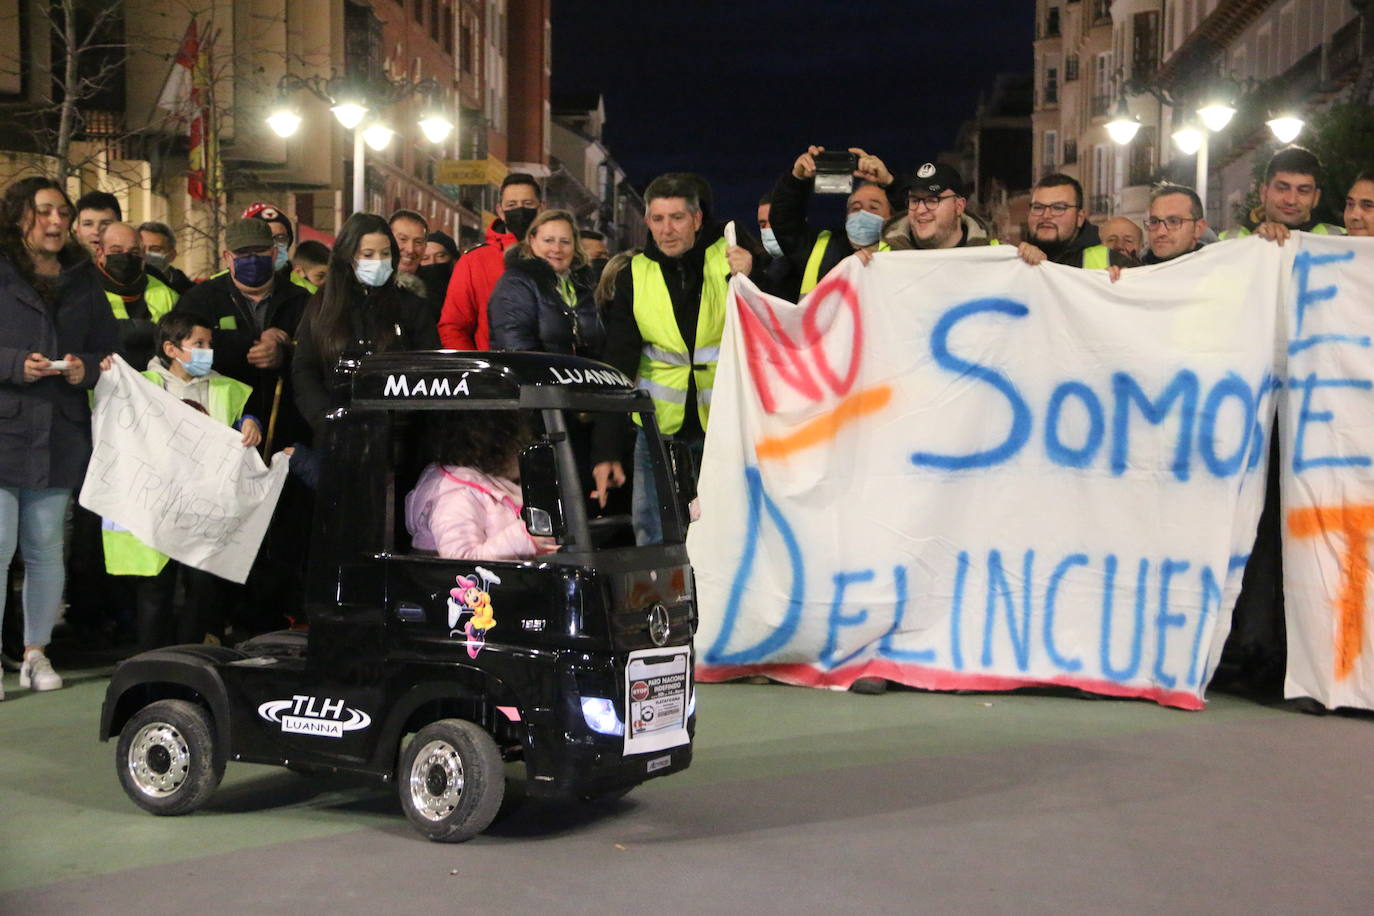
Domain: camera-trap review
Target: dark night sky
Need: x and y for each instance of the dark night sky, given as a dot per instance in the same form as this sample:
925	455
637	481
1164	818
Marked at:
736	90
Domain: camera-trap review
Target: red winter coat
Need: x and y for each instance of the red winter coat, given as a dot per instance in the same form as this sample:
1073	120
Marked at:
463	322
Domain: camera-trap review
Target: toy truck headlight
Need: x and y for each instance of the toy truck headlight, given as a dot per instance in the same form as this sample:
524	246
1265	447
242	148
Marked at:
599	714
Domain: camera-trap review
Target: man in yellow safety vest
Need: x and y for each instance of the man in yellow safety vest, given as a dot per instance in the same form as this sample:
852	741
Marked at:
677	294
137	298
1289	193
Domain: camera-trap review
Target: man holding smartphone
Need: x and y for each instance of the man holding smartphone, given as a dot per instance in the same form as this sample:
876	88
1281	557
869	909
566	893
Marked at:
814	253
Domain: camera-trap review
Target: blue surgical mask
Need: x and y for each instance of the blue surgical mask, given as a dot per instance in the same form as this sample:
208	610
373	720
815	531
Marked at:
279	256
201	361
863	227
253	270
770	242
372	272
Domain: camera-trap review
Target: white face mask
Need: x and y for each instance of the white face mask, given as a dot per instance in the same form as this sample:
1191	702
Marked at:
372	272
770	242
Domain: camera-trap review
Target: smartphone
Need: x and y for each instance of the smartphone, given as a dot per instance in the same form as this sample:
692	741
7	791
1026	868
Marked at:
835	171
61	365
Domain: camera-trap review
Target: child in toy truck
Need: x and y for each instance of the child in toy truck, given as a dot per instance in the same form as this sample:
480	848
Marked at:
466	504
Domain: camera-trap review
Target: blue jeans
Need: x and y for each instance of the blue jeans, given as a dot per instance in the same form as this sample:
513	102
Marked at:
34	520
644	507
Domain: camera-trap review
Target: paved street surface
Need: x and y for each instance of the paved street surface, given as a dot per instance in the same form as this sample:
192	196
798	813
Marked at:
799	801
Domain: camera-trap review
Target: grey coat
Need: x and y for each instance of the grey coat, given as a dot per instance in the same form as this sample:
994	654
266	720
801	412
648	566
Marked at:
45	426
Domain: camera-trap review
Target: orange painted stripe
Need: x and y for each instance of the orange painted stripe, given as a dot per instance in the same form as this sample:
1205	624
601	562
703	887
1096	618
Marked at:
1353	524
826	426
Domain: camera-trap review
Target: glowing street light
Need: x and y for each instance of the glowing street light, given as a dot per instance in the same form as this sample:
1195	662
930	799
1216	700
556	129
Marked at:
1286	128
1123	126
284	122
1189	139
378	136
436	127
349	114
1216	116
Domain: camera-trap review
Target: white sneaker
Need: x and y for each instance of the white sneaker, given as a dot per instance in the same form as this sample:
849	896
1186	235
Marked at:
36	672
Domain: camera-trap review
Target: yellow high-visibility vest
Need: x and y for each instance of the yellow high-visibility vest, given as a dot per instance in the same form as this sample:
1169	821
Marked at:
1098	257
159	296
811	277
666	367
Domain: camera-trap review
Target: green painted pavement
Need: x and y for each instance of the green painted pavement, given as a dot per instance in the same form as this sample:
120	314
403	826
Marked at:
65	815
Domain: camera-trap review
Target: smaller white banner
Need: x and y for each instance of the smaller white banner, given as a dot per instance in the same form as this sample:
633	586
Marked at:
656	690
182	482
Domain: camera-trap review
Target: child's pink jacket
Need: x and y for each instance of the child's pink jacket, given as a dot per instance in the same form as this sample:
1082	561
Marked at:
463	514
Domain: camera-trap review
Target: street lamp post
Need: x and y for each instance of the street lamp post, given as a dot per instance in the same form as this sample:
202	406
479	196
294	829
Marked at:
349	103
1192	139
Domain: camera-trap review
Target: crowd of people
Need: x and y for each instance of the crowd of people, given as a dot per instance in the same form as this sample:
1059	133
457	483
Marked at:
256	346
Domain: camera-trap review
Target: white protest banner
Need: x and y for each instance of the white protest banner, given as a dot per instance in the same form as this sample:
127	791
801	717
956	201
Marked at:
953	470
179	480
1328	481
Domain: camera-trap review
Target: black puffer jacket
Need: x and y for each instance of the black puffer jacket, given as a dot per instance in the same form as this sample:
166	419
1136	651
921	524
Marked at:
526	311
45	426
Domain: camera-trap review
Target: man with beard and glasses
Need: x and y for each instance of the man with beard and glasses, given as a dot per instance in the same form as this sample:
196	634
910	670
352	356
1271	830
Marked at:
1058	229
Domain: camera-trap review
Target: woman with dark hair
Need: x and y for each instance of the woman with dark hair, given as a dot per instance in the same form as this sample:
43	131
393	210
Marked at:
55	327
466	505
544	300
358	310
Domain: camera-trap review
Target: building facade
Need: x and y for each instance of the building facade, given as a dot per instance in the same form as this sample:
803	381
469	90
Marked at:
487	62
1164	58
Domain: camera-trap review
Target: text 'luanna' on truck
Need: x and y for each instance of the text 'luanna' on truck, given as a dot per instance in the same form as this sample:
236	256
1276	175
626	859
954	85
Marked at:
433	671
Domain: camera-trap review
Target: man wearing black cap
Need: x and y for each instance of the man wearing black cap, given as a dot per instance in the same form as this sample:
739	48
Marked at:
254	310
937	213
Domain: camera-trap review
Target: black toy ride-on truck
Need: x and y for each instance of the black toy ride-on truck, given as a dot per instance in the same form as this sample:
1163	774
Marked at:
434	672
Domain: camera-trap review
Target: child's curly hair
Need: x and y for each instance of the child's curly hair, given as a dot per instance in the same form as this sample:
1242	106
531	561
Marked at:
483	439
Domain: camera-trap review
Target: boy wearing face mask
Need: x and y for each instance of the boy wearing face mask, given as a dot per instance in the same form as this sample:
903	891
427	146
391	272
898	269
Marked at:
137	298
813	254
254	310
182	367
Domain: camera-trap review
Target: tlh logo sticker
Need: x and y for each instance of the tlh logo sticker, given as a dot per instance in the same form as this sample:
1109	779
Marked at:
304	715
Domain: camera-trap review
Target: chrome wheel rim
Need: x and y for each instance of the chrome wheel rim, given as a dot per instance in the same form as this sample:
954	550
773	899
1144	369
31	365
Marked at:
159	760
436	780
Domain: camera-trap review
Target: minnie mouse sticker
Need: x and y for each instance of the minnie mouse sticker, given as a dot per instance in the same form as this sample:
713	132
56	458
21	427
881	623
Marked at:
471	597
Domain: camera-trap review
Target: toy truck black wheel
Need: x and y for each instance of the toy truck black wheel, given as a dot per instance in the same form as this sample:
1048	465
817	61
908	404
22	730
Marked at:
167	759
451	780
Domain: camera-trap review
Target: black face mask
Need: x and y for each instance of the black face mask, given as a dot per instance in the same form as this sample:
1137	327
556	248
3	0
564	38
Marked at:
518	220
124	268
599	265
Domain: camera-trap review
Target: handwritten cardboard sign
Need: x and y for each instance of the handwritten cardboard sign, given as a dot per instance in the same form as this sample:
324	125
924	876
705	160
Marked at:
179	480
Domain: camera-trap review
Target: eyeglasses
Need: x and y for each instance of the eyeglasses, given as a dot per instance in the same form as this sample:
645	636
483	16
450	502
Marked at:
1172	222
1058	209
930	203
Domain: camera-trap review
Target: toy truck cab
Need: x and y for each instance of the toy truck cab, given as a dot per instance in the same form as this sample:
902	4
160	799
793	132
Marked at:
432	671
